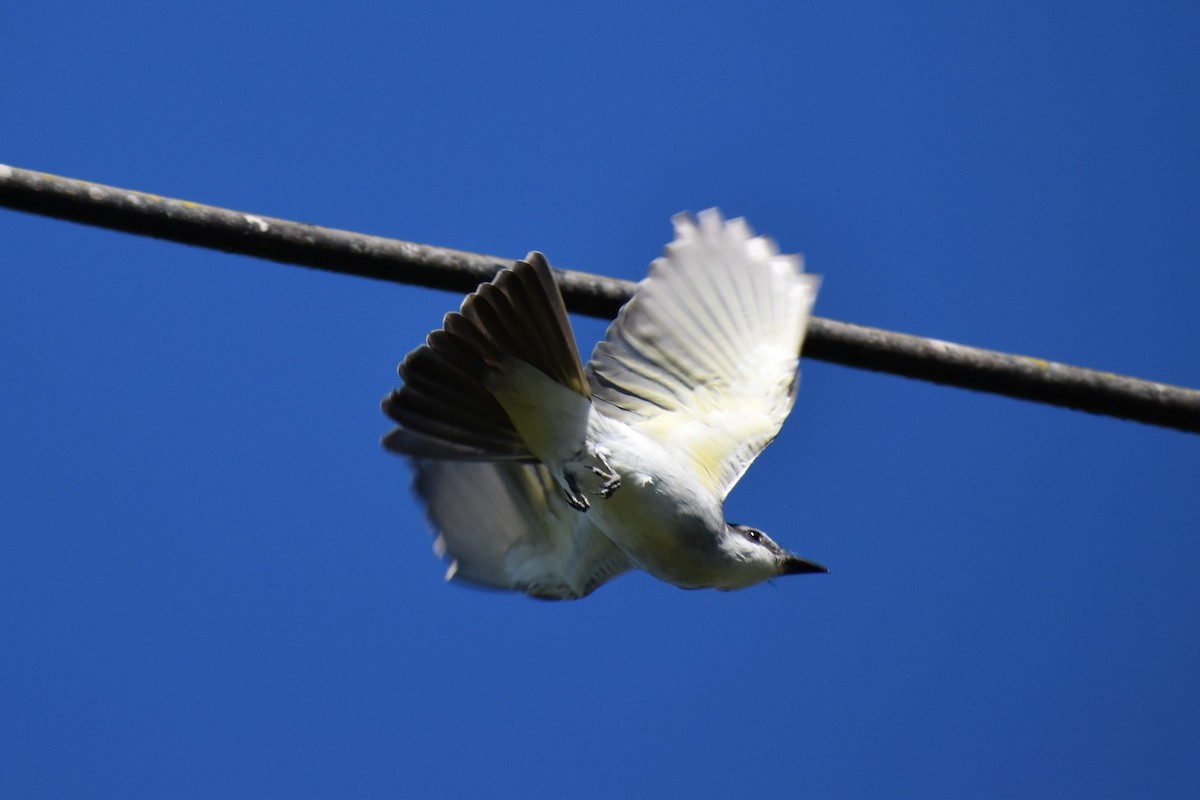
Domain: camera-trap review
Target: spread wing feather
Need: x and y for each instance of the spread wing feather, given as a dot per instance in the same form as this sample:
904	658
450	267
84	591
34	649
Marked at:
704	358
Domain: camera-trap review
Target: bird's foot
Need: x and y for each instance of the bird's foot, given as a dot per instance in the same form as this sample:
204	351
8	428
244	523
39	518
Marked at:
610	481
590	473
574	496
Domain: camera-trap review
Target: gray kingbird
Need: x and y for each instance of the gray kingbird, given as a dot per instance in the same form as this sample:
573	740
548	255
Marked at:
547	477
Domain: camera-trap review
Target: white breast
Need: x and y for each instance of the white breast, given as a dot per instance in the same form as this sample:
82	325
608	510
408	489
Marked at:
663	516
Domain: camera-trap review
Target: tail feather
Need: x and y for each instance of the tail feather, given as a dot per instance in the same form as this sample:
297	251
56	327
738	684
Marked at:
444	413
466	345
521	311
444	409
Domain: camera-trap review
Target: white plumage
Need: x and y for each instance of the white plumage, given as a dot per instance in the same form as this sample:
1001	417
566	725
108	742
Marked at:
705	356
630	469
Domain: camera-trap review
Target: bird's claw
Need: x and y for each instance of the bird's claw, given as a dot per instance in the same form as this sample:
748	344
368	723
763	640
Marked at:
574	496
607	484
612	482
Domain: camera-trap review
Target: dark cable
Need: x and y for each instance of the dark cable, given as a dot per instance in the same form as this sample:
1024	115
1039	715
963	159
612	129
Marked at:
592	295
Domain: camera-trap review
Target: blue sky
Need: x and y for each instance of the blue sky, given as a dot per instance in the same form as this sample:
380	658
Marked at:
214	583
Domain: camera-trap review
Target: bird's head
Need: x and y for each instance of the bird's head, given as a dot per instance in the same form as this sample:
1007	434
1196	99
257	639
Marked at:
754	557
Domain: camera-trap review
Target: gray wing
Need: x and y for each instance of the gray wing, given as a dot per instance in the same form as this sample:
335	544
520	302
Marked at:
704	358
507	526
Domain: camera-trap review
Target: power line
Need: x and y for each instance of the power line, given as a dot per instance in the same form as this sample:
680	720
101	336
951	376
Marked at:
592	295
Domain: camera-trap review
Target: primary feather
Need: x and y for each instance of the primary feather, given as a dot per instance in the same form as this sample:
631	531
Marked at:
704	357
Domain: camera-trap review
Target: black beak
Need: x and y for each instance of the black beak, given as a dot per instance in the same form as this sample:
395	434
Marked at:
795	565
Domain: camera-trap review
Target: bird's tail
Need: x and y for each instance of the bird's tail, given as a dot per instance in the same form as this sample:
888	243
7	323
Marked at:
445	409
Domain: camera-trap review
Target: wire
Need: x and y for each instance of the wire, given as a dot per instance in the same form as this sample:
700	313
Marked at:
592	295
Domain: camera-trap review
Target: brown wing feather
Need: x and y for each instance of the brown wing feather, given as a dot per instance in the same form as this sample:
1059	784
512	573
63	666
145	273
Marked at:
444	409
522	311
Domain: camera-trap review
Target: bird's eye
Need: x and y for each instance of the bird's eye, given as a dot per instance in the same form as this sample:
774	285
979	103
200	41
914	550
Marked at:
754	536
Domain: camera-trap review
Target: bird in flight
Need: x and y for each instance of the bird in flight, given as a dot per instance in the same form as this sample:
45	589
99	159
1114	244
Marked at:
548	477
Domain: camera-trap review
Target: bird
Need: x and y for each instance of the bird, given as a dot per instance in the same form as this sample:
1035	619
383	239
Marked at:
547	477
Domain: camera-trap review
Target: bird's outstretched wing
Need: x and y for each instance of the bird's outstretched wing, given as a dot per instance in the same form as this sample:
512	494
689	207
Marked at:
705	356
506	525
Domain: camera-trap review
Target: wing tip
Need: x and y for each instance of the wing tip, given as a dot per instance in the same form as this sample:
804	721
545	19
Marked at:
712	225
